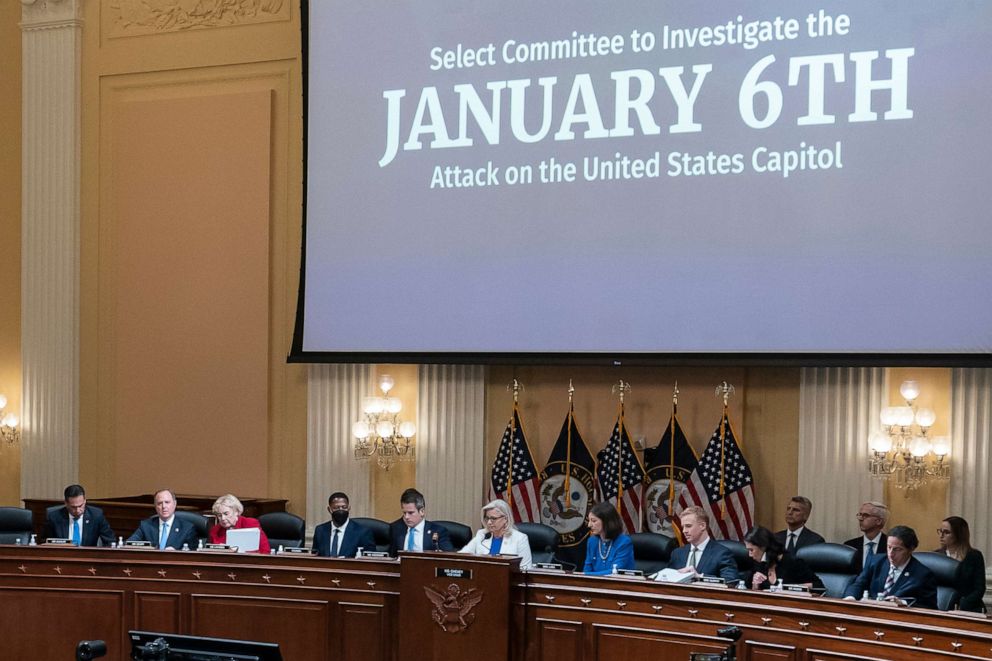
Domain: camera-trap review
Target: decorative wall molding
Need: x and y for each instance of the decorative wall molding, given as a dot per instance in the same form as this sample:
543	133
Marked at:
335	400
128	18
51	44
837	407
971	453
450	436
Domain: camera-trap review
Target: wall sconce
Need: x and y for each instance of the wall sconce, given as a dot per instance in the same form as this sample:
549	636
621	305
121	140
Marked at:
903	450
380	433
9	430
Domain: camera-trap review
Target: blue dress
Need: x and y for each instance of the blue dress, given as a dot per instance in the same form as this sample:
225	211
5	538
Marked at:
601	559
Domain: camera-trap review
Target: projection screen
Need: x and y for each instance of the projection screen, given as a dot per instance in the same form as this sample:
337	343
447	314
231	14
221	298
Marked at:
646	178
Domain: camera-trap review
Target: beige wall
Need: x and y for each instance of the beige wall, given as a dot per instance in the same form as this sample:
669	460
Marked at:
10	239
190	252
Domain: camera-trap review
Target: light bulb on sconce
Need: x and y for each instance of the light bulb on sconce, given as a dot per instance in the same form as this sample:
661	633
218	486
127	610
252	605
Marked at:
9	429
380	433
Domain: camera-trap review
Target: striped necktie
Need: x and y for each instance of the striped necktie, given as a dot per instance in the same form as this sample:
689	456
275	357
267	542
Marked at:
890	581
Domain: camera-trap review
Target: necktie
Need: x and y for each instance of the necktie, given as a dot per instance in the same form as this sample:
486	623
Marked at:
76	532
791	546
692	557
163	536
869	549
890	580
409	540
334	543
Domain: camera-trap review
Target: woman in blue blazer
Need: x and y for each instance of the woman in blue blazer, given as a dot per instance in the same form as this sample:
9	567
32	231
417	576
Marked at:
608	546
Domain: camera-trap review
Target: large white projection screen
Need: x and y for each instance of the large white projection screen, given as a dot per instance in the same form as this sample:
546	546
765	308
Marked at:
650	178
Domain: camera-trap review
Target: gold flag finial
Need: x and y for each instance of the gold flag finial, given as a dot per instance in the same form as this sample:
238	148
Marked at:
622	387
724	390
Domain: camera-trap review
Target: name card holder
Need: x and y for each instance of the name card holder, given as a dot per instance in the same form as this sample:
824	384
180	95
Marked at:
712	580
549	566
223	548
137	544
630	572
59	541
294	550
374	554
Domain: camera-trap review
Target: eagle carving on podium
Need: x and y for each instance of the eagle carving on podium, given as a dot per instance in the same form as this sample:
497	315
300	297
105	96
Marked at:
453	607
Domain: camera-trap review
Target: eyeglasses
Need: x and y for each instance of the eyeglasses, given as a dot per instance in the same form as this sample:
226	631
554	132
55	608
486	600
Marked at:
493	519
862	515
942	532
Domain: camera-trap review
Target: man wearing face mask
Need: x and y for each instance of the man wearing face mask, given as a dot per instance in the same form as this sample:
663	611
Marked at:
339	537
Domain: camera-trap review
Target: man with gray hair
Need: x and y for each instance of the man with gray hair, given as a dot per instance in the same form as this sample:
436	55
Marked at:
797	535
871	520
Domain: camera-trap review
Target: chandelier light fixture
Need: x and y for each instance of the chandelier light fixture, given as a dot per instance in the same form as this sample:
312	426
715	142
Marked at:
9	430
903	450
380	433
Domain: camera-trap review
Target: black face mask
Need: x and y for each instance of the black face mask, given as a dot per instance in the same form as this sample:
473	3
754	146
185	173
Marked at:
339	517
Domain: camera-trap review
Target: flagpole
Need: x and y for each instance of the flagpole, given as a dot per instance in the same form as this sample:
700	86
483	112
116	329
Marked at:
671	457
723	390
623	388
568	448
513	437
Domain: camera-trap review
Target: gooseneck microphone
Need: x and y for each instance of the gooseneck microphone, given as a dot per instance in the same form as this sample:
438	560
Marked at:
434	540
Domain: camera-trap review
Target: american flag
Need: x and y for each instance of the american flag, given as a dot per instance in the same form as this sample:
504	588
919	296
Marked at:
722	485
514	456
619	460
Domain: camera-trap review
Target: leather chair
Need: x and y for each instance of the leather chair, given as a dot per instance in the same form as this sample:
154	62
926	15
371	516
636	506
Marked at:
651	551
945	569
284	529
833	563
739	551
15	523
200	523
459	533
380	532
542	539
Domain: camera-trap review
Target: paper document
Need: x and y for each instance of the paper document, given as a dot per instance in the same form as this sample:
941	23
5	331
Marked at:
246	539
673	576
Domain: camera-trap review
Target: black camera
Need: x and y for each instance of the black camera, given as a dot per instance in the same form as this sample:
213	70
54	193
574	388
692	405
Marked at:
90	649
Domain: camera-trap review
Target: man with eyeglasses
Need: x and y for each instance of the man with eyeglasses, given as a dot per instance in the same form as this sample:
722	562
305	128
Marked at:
339	537
871	520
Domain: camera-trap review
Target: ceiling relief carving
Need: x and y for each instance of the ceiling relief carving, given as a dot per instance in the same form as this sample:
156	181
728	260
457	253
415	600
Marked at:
137	17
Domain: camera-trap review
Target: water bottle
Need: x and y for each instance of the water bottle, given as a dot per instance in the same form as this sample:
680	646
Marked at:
185	546
199	545
280	549
17	541
359	554
741	585
120	542
864	596
34	540
614	569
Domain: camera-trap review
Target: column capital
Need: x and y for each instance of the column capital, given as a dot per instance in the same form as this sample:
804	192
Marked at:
43	14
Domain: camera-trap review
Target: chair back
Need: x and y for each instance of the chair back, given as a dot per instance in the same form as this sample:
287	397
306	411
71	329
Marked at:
739	551
833	563
945	569
542	539
651	551
283	529
459	533
15	523
200	523
380	531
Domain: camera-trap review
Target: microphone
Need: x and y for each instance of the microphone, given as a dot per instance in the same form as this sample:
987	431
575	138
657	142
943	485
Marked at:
570	566
434	540
488	535
487	538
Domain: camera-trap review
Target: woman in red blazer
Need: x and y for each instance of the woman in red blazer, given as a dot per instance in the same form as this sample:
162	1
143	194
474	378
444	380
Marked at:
228	510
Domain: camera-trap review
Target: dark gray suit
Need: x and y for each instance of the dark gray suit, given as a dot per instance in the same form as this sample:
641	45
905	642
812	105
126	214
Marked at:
182	532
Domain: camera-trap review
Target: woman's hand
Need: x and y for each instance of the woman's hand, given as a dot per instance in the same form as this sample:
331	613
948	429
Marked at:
757	580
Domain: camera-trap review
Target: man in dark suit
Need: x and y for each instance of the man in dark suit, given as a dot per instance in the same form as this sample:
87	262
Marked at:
166	531
797	535
339	537
702	554
84	524
871	520
897	575
413	532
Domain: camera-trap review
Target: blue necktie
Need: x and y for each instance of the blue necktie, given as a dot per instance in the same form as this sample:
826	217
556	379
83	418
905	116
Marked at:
409	540
76	533
334	544
163	536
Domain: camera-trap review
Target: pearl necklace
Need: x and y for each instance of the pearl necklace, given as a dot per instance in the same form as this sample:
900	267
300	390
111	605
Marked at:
607	545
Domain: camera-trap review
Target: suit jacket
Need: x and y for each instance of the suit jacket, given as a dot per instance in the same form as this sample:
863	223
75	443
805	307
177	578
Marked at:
859	544
916	582
806	538
355	536
620	553
182	532
716	560
969	581
218	534
95	526
514	543
398	533
789	569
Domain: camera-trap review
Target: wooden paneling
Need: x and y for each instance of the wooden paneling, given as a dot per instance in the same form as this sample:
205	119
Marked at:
559	641
624	644
361	630
299	626
758	651
157	611
48	623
